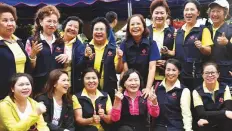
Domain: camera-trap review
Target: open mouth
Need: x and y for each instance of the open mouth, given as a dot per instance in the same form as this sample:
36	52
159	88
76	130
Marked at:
26	92
92	85
66	87
72	32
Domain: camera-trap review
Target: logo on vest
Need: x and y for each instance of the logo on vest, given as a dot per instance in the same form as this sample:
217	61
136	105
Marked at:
58	49
110	53
221	100
144	52
174	95
169	35
192	37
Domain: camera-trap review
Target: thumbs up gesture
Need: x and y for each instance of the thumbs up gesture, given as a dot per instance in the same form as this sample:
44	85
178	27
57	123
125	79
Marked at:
152	97
96	118
101	111
222	40
198	43
88	51
118	94
119	52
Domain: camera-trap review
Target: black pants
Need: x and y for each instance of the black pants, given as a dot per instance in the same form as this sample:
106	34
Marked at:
87	128
131	128
224	125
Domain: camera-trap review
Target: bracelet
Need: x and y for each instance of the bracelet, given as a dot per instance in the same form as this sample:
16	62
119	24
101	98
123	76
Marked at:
33	59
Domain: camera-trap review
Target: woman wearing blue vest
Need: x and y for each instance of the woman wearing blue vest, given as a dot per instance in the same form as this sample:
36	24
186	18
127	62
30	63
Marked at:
92	107
58	101
212	101
14	58
140	52
103	56
45	47
130	109
192	45
163	34
221	33
74	48
174	101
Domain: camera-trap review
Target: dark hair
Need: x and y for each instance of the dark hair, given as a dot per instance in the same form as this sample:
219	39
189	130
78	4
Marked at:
111	16
15	78
7	8
126	75
40	15
146	31
171	20
175	62
90	69
74	18
104	21
54	76
210	63
157	3
195	2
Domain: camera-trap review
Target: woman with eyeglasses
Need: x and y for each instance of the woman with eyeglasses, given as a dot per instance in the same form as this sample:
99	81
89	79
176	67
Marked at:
45	48
212	101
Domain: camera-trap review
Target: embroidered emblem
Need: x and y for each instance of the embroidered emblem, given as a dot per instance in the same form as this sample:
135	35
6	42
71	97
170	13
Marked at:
144	51
58	49
221	100
169	35
174	94
110	53
192	37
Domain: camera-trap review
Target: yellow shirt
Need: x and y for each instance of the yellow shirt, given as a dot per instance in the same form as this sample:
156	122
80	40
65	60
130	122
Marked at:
77	105
206	35
98	58
197	101
19	56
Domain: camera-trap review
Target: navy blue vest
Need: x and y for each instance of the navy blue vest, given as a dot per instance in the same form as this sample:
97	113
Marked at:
222	55
170	110
88	109
137	121
45	61
110	79
8	67
188	54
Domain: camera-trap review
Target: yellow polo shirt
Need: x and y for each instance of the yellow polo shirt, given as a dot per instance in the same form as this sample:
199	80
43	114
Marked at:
19	56
77	105
98	58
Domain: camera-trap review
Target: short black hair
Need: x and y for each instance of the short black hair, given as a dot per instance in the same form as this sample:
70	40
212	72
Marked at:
195	2
74	18
111	16
175	62
103	20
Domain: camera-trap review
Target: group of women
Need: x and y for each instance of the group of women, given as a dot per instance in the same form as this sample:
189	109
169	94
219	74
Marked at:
74	86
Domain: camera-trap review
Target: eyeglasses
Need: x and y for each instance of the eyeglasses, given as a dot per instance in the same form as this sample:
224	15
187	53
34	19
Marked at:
99	29
210	73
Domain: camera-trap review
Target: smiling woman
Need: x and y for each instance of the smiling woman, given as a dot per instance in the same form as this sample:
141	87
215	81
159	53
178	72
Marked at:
58	101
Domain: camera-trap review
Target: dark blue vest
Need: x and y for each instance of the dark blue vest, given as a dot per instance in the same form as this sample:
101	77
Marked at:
188	54
45	61
170	110
8	67
222	55
88	109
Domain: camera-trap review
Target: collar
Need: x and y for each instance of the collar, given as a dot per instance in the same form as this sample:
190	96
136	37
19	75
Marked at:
138	93
13	37
43	37
85	93
92	43
206	89
176	85
165	27
145	41
198	24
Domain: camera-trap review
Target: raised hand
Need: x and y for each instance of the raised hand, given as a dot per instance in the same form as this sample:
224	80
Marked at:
222	40
96	118
35	48
202	122
118	94
230	73
119	52
101	111
88	51
152	97
62	58
41	108
164	50
198	43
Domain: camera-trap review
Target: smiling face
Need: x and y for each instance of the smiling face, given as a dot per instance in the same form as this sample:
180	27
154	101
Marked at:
217	15
49	24
136	27
132	84
171	73
210	74
7	24
159	15
191	13
62	85
71	29
91	81
22	88
99	33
